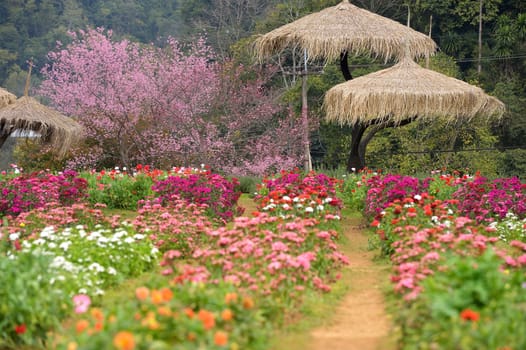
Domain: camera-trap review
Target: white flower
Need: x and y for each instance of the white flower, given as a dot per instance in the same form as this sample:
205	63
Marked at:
52	245
309	210
286	198
139	236
417	197
286	206
64	245
328	200
99	291
96	267
320	207
83	291
129	240
112	271
14	236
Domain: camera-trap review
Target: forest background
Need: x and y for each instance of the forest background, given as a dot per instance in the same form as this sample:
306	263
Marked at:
31	29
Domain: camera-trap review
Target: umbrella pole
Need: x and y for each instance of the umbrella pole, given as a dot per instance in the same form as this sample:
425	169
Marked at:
356	158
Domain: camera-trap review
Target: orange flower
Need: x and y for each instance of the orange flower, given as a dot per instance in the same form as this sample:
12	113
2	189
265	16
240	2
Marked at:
124	341
207	318
191	336
157	297
164	311
189	312
81	326
469	315
227	315
230	297
99	326
248	303
97	314
142	293
167	294
220	338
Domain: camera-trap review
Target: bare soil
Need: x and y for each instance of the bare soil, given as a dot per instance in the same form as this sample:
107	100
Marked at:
360	322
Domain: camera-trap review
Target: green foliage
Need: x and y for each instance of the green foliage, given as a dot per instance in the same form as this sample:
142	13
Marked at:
29	303
118	191
470	304
247	184
31	155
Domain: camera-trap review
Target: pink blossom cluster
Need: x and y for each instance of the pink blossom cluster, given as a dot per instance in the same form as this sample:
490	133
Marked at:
204	188
27	191
177	226
485	200
264	254
291	193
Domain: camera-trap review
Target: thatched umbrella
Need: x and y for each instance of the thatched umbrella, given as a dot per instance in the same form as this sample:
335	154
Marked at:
402	93
334	32
27	114
344	29
6	97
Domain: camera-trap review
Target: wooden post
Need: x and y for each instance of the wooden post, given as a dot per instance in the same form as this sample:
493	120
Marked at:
479	66
305	115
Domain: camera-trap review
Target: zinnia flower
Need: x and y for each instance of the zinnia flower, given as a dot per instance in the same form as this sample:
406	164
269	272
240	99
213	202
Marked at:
220	338
124	341
20	329
469	315
82	303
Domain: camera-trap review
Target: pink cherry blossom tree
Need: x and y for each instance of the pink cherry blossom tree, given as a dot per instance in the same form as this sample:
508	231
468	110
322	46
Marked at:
168	106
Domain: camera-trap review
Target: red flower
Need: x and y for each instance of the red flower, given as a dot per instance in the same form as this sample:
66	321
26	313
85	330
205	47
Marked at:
469	315
20	329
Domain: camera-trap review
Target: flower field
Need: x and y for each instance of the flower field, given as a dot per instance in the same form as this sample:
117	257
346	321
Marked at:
214	279
458	249
149	259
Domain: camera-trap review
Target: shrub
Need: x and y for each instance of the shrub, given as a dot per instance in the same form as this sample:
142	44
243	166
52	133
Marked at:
28	191
204	188
30	305
118	190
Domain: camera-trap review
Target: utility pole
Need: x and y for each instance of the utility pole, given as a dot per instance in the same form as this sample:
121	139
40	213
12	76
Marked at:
305	115
479	66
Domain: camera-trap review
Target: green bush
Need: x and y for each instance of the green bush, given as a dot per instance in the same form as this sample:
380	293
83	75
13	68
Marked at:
471	304
118	191
30	305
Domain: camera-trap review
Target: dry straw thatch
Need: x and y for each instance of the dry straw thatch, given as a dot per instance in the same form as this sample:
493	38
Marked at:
345	28
28	114
404	91
6	97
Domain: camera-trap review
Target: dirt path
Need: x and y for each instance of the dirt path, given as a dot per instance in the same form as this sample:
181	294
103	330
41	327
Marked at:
360	321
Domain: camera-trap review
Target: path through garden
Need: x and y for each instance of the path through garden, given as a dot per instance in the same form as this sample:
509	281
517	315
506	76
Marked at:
360	321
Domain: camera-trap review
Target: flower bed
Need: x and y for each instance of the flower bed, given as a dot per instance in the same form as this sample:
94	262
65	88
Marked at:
458	272
217	286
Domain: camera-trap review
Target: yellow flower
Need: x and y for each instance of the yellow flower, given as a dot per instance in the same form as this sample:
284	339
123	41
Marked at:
72	346
22	224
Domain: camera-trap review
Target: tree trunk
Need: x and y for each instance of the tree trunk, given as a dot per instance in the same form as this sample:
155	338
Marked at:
3	138
355	162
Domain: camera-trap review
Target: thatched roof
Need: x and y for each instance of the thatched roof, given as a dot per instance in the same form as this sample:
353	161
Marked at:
404	91
28	114
345	27
6	97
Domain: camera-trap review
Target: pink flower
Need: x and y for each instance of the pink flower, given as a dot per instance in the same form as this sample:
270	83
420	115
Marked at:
82	303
